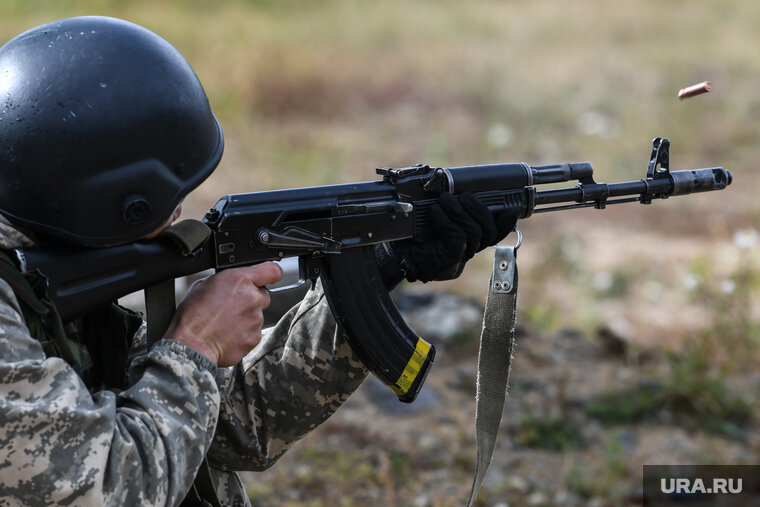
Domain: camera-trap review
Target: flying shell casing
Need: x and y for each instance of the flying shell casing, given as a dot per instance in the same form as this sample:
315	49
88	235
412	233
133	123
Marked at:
694	90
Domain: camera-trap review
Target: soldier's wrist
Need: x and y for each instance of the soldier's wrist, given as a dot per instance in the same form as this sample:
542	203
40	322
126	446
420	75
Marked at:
190	340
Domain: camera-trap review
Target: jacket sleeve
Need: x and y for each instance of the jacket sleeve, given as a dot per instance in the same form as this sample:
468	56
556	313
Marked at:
60	444
300	374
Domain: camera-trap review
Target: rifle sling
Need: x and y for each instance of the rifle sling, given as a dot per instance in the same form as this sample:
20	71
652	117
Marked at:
497	342
160	307
188	235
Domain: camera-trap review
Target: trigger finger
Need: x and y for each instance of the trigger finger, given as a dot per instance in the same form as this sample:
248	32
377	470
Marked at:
265	273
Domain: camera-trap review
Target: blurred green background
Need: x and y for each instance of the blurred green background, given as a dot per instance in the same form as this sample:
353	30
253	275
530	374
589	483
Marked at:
313	93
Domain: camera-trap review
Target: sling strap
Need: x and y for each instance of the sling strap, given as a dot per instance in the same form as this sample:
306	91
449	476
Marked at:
188	235
160	306
497	341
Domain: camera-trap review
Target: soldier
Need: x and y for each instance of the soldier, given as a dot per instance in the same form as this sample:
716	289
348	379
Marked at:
104	129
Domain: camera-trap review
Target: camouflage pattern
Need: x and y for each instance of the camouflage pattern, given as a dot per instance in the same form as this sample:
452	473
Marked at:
61	444
11	237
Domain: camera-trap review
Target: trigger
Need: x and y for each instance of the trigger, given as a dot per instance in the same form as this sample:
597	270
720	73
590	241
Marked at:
309	268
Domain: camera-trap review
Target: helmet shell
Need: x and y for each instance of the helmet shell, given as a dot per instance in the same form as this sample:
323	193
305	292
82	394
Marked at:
104	128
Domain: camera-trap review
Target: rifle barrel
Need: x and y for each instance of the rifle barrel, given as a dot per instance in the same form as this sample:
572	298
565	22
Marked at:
644	190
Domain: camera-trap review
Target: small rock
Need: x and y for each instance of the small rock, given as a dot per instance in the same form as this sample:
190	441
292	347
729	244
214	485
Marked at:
382	397
439	316
465	378
422	500
613	343
518	484
564	497
537	498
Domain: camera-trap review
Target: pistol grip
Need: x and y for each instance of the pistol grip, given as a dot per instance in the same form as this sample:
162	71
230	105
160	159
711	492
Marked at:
376	330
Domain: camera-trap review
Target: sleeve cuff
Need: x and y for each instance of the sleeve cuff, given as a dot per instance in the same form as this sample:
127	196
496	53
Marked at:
182	350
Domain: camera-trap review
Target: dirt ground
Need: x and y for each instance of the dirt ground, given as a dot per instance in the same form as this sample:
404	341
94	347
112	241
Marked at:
553	448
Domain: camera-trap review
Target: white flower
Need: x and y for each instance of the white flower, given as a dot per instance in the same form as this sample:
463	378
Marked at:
603	281
596	123
691	282
728	286
745	238
500	135
570	250
652	290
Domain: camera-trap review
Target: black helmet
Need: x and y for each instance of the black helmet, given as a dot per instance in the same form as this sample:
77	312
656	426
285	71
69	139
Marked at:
104	128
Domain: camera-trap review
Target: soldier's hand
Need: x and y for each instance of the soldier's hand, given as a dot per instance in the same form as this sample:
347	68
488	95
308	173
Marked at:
221	316
462	227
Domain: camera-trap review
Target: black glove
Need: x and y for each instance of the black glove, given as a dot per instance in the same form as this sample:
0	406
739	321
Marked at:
462	227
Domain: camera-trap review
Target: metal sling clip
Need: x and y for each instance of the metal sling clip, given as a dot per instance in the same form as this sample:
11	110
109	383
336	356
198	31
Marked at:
505	262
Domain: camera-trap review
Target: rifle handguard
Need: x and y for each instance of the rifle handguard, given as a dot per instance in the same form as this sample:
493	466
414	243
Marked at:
376	330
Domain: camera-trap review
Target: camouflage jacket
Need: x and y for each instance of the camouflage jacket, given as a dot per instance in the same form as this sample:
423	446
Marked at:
62	444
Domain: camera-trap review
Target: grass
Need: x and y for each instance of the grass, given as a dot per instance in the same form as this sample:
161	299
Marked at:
629	405
696	403
434	87
313	94
696	389
551	433
603	479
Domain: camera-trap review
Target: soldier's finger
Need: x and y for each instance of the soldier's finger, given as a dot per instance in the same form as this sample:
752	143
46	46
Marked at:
265	298
264	274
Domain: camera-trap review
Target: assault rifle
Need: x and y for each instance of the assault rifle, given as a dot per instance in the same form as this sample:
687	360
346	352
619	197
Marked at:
333	229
